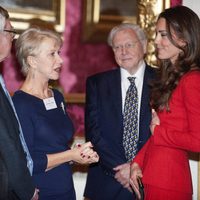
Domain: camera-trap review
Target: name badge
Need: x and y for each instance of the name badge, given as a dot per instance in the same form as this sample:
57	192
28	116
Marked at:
50	103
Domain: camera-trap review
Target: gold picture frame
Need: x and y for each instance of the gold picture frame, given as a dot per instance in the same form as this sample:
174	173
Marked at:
49	14
101	15
97	21
75	98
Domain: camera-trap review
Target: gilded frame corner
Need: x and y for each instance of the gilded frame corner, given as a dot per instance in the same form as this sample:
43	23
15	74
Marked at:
96	26
22	17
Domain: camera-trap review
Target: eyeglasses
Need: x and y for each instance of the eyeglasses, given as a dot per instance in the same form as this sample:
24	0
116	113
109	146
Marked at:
126	46
11	31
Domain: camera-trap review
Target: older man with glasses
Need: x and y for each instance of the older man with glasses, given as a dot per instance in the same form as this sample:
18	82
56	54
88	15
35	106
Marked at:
15	162
118	114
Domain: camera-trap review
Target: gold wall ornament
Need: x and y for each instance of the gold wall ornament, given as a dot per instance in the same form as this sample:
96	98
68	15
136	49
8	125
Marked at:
48	14
147	16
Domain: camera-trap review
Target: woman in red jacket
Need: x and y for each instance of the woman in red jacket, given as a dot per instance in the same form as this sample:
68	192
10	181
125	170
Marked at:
163	162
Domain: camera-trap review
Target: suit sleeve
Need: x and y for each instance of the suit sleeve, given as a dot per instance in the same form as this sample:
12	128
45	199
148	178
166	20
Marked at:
190	138
108	158
140	156
13	156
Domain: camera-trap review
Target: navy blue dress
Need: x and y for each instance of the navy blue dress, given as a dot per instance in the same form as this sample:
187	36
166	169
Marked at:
47	132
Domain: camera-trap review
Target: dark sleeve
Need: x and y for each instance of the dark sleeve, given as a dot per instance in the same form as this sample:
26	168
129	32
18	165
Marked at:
108	158
13	156
25	112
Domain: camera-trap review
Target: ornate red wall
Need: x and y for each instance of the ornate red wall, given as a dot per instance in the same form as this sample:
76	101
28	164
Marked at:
80	60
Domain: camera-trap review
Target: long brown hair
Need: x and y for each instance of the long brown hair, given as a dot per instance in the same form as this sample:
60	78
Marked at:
186	26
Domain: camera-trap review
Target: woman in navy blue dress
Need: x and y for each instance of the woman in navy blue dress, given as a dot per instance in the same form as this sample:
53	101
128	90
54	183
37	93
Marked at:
46	125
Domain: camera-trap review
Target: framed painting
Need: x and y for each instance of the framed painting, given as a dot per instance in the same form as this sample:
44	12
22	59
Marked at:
23	14
101	15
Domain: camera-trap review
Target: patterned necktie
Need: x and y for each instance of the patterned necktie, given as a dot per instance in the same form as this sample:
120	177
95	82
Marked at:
25	148
130	120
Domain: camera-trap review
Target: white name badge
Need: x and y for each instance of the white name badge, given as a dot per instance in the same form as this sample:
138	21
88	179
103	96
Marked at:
50	103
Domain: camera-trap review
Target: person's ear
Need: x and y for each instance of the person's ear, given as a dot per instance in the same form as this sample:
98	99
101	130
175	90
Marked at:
144	46
31	61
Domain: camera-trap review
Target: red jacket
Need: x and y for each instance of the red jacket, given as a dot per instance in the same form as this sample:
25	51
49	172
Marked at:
164	158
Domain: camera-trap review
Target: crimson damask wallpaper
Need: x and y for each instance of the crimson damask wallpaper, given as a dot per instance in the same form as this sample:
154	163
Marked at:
80	60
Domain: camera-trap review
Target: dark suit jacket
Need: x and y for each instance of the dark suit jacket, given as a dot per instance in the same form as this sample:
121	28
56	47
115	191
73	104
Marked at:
104	128
15	180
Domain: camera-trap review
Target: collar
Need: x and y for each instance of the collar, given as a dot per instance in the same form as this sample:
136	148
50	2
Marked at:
139	73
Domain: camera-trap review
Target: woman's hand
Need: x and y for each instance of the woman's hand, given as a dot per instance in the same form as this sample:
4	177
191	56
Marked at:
135	173
81	153
84	154
154	121
122	175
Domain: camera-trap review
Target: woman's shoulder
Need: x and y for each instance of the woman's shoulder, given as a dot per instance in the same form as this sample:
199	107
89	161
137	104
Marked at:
20	97
191	79
22	102
193	75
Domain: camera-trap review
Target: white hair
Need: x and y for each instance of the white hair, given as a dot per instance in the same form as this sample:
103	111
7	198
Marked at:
138	31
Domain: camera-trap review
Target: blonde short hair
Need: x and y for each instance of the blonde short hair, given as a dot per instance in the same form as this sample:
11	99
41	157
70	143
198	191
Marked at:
28	44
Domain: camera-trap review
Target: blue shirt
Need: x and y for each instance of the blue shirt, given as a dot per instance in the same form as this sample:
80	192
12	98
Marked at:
28	157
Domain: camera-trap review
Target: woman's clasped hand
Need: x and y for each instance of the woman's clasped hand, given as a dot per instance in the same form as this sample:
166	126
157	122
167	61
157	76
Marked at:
84	153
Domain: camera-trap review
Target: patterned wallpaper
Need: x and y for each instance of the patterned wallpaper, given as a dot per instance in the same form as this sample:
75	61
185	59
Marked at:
80	60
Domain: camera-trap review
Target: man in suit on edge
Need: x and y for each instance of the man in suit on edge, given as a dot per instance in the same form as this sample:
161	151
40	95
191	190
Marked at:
105	114
15	179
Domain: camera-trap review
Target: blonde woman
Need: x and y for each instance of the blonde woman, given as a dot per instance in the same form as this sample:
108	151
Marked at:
42	112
